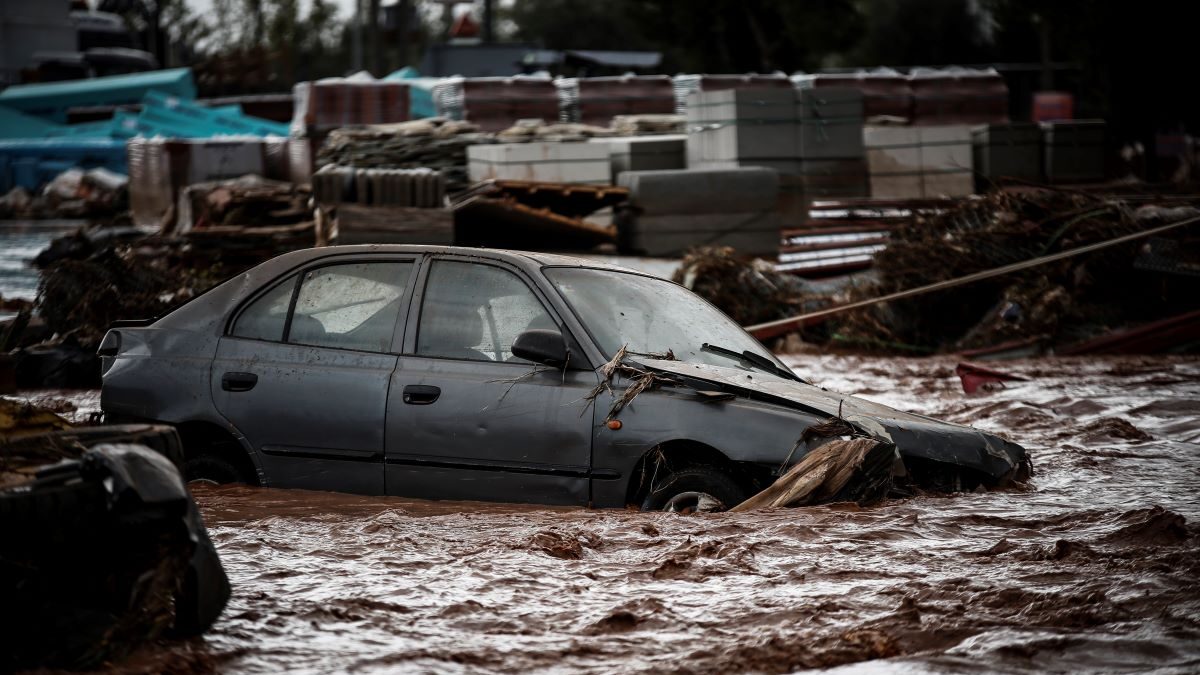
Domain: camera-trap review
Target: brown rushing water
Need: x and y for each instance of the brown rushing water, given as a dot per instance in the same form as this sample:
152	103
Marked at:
1096	568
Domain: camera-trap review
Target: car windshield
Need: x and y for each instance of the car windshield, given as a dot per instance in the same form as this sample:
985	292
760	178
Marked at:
652	316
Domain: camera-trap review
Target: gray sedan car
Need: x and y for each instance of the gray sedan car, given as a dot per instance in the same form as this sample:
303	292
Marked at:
476	374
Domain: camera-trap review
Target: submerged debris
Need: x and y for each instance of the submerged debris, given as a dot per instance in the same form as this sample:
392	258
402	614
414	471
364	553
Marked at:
854	469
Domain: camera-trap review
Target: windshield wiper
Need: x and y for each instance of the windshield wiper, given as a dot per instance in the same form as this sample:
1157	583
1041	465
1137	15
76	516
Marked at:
757	360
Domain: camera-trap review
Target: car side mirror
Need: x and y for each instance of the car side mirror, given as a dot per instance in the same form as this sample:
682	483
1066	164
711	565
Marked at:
546	347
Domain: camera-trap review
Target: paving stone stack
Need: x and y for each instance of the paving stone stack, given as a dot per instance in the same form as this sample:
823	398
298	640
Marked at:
674	211
548	162
433	143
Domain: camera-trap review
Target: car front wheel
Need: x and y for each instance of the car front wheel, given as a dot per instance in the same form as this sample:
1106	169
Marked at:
695	488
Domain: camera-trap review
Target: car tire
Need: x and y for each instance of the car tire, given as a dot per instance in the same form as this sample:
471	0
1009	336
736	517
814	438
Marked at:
212	468
684	490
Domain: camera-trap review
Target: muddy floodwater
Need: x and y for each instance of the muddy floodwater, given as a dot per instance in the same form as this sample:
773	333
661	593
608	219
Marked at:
1095	568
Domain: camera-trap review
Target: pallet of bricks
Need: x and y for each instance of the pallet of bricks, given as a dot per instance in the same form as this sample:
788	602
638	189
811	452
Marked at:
496	103
597	100
811	137
325	105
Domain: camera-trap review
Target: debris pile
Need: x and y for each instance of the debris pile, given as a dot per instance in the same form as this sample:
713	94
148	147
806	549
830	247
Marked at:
1058	303
98	275
75	193
749	291
243	222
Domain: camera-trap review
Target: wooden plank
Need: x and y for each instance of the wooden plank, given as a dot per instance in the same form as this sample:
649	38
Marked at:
357	224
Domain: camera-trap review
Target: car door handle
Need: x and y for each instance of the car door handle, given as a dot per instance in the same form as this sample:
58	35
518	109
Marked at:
421	394
238	381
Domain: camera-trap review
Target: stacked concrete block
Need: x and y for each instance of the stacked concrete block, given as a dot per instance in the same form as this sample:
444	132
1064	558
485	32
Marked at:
645	153
1007	151
831	122
674	211
946	161
812	138
743	127
919	162
1073	150
546	162
894	161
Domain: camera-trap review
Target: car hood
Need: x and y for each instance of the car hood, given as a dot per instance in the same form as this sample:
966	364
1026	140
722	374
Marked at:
914	435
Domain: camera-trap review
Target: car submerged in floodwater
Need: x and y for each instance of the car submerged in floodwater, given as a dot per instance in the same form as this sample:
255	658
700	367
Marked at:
478	374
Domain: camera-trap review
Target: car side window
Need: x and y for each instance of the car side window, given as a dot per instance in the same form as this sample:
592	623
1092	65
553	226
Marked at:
265	318
351	306
474	312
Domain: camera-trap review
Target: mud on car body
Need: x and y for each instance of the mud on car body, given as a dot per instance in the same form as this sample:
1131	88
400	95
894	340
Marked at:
450	373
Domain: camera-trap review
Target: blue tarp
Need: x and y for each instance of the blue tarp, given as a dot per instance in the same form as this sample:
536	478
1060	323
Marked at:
31	163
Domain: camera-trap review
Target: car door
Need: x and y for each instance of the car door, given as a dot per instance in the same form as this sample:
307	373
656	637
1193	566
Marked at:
467	419
304	370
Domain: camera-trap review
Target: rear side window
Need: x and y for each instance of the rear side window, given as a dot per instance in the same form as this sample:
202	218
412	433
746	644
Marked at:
264	319
351	306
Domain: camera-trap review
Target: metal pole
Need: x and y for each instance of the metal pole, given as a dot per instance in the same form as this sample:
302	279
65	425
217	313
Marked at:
356	38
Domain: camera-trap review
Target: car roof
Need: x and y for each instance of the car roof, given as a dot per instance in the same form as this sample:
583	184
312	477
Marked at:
524	258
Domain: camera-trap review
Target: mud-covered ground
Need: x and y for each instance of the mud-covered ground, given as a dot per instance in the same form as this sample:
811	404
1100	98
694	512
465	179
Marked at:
1096	568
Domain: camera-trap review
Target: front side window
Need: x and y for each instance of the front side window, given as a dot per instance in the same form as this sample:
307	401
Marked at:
474	312
350	306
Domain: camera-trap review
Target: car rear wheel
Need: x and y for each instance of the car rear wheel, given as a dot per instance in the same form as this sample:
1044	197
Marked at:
695	488
211	468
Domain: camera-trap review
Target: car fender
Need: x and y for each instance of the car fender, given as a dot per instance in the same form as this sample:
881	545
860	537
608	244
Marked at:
164	375
742	429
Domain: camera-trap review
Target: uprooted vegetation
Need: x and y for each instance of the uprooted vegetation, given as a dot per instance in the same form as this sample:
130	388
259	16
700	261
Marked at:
1050	305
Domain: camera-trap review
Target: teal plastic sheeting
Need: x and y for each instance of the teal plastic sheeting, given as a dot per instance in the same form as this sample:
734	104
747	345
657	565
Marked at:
420	91
15	124
52	100
222	120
